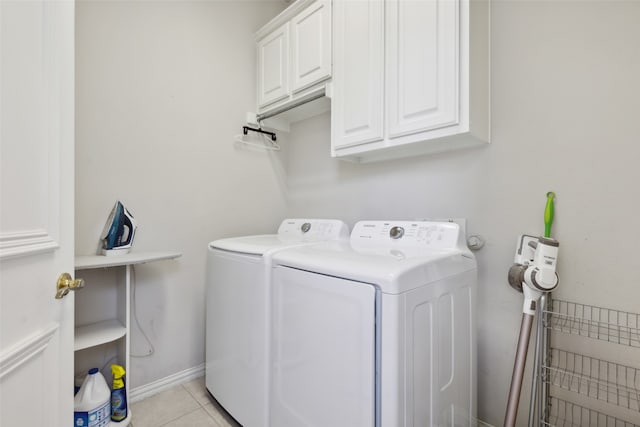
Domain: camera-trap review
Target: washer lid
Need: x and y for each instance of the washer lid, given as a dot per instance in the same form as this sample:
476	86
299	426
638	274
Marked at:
255	245
291	232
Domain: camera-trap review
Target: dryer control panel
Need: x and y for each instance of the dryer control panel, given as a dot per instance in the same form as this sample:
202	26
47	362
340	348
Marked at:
406	234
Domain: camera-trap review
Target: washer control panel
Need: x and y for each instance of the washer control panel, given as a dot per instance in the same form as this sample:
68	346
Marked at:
313	229
396	232
425	234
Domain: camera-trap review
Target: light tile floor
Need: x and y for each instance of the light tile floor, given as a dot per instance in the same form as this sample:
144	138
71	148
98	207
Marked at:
185	405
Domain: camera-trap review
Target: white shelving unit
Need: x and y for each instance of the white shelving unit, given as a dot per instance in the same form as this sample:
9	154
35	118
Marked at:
119	326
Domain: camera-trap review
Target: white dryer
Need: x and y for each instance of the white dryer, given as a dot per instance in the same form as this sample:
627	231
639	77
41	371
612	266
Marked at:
378	331
237	313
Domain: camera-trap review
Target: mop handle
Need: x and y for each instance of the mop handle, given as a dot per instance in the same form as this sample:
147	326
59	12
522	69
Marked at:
518	371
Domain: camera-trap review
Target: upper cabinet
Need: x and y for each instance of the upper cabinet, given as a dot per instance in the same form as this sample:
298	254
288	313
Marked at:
294	54
409	77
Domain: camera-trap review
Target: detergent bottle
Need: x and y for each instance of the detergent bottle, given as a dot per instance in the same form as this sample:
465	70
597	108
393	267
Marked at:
118	394
91	403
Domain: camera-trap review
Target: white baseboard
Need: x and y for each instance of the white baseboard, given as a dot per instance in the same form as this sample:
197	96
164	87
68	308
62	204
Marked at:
148	390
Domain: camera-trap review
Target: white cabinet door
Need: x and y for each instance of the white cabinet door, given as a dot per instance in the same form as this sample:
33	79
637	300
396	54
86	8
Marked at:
311	45
273	66
357	114
422	63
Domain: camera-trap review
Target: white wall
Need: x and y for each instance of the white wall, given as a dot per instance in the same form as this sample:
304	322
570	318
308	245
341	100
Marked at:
162	88
566	99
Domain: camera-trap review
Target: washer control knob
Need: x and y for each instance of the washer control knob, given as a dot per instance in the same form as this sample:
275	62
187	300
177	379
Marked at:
396	232
305	227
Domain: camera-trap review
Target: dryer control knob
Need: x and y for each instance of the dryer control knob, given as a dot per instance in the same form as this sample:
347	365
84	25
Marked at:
305	227
396	232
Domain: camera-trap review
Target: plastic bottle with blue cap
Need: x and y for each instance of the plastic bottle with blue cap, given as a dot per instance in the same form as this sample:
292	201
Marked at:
92	403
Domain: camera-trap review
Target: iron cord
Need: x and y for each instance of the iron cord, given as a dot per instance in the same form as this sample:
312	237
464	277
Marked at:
152	349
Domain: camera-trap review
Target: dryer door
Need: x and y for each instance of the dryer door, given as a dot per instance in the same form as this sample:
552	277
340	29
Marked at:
323	347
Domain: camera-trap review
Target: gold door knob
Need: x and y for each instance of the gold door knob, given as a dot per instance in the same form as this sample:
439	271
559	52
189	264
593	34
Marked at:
66	284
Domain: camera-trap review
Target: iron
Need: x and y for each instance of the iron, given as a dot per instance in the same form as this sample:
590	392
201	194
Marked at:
119	231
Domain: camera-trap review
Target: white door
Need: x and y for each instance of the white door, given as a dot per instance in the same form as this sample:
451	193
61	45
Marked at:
36	216
323	349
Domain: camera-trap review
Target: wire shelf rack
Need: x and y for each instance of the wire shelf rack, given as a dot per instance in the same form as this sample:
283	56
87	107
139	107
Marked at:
595	378
600	323
567	414
610	391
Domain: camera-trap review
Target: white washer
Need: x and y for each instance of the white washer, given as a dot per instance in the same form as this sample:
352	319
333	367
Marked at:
237	320
376	332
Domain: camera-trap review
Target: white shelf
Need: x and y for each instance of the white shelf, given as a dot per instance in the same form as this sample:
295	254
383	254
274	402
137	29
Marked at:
85	262
98	333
